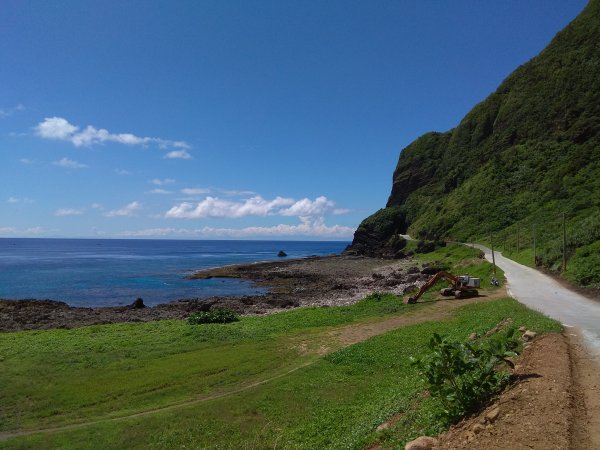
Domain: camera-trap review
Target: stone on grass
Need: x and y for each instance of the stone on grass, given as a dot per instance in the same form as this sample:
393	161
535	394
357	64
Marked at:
421	443
529	335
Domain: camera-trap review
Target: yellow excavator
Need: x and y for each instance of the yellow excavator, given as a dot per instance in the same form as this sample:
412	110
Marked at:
462	286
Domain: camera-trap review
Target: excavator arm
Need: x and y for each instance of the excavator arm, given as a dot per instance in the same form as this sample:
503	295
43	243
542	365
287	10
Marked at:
454	281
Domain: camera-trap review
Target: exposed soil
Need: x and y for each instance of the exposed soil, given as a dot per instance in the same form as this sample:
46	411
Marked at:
317	281
552	405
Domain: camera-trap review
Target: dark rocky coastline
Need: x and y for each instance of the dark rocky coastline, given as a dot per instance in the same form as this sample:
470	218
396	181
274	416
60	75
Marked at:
315	281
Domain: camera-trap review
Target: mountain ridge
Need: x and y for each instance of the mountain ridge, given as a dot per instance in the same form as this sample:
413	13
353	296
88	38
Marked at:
518	160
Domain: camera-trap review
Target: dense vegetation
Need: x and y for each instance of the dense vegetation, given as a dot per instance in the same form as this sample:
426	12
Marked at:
519	160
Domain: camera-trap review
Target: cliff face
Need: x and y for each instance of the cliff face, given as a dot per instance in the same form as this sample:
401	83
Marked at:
523	156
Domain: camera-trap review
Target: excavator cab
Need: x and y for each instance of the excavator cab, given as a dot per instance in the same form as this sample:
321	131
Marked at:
469	282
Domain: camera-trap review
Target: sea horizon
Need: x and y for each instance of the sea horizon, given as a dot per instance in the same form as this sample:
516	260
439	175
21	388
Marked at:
93	272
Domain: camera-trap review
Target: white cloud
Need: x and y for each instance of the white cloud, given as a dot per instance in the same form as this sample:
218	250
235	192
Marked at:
306	227
305	207
97	206
19	200
26	161
234	193
215	207
122	172
69	164
159	191
59	128
254	206
127	210
5	112
32	231
55	128
62	212
162	182
178	154
195	191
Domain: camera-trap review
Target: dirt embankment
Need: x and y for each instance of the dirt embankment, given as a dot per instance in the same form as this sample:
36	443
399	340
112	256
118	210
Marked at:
318	281
554	403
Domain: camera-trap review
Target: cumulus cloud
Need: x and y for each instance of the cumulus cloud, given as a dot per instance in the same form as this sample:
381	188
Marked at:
59	128
218	208
159	191
69	164
126	211
255	206
162	182
306	227
178	154
305	207
122	172
63	212
26	161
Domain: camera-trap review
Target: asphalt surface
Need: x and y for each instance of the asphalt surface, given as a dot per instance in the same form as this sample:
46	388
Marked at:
542	293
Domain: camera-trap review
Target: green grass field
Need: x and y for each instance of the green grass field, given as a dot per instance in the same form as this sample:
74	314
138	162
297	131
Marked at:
278	381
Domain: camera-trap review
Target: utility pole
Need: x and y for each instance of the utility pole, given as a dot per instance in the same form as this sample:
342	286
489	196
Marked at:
534	249
564	243
493	257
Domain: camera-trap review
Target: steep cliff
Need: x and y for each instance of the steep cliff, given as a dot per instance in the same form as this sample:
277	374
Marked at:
519	159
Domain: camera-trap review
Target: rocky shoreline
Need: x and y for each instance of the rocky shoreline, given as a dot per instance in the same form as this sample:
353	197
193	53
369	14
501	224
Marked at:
315	281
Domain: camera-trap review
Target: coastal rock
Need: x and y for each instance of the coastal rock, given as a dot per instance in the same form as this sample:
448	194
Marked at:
138	303
282	254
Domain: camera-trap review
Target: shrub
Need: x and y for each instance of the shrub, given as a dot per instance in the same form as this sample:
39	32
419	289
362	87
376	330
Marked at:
583	267
462	376
217	315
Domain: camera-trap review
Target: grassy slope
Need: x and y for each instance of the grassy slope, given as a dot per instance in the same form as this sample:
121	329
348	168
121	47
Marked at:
336	402
57	377
516	162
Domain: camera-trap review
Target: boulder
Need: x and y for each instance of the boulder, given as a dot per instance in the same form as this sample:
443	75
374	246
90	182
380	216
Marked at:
282	254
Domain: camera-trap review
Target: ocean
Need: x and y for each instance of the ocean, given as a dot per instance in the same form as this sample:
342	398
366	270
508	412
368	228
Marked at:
113	272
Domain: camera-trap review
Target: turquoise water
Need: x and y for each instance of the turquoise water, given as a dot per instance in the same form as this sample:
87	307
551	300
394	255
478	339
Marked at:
111	272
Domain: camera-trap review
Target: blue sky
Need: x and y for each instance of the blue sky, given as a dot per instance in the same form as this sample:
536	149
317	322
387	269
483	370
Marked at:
236	119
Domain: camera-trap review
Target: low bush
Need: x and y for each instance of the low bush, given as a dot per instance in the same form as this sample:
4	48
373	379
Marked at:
217	315
462	376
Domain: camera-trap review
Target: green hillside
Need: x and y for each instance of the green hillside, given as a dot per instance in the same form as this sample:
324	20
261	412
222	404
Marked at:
516	162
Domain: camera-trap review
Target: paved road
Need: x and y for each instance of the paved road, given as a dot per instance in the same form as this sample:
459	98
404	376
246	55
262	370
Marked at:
542	293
